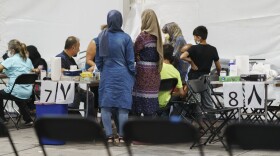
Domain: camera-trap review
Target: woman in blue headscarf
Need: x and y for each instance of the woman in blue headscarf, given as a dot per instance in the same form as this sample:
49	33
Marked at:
115	60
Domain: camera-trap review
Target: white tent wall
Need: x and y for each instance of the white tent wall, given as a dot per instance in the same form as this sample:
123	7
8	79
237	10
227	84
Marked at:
236	27
47	23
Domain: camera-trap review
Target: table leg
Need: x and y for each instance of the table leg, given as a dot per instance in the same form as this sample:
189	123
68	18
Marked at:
86	112
265	103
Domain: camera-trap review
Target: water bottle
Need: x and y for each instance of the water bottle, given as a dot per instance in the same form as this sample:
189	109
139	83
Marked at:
96	73
232	68
223	73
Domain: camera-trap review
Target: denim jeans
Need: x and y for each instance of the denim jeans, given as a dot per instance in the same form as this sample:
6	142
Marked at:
106	114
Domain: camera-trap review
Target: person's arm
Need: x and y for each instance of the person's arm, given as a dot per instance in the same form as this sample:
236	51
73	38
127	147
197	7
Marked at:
98	61
91	52
185	57
1	67
130	56
44	63
179	44
185	48
180	93
218	67
138	46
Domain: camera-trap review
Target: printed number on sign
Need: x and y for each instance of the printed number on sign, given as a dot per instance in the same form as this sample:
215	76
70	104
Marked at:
233	102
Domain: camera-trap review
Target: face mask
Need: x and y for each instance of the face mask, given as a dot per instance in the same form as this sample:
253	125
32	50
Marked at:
166	38
197	42
9	53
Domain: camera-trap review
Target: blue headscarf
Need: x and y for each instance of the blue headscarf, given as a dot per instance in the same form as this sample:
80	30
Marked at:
114	22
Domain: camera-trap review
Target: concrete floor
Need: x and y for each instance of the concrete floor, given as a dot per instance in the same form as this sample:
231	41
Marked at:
27	145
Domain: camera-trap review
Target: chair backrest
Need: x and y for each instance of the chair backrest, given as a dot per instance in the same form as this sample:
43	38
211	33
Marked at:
28	78
62	128
197	85
214	78
5	133
253	136
159	131
25	79
168	84
81	59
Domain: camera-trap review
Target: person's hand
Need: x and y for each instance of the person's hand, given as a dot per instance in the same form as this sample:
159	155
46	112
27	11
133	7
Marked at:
36	70
91	69
193	66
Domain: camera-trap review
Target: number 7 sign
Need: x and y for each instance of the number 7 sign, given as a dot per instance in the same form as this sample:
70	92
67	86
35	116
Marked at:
48	91
233	94
62	92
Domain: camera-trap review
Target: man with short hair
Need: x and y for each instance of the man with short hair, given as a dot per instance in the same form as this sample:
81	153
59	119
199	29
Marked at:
71	48
201	58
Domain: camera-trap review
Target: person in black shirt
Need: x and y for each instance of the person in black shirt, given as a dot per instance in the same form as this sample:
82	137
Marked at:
201	58
72	47
36	58
37	61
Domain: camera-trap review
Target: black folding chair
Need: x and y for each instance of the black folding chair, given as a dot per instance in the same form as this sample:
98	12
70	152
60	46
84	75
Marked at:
208	116
23	79
272	113
218	95
167	85
159	131
62	129
251	136
5	133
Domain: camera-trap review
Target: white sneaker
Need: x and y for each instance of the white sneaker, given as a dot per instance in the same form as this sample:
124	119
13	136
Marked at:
30	123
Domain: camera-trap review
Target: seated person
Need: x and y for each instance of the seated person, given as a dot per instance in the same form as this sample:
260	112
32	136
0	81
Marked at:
37	62
71	48
36	58
18	63
169	71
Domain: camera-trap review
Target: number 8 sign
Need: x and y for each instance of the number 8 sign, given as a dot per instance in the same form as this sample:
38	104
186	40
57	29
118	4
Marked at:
233	94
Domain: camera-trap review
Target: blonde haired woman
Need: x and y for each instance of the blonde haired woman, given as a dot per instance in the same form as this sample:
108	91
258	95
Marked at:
17	64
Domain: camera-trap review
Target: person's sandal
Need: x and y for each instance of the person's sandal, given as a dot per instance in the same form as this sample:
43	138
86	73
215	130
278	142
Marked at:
110	141
121	141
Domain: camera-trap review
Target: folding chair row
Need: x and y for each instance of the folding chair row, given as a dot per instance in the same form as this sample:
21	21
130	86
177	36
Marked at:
150	131
253	118
160	131
250	136
61	128
272	113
